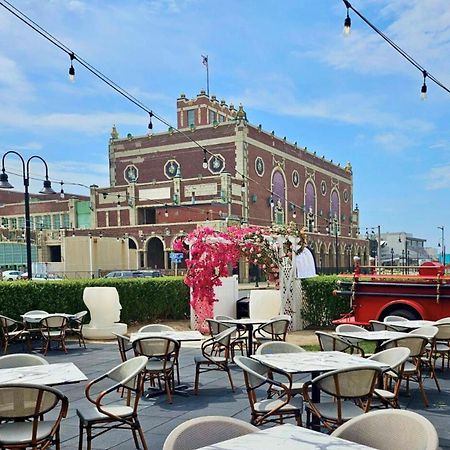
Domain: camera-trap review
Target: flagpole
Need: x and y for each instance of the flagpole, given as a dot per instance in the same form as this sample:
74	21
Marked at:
205	62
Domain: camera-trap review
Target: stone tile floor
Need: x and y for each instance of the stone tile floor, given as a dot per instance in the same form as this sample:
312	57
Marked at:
159	418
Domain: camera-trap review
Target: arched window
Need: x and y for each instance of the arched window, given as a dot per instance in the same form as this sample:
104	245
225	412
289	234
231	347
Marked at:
334	211
310	206
279	195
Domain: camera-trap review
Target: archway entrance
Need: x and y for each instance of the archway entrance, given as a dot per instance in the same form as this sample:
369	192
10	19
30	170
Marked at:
155	254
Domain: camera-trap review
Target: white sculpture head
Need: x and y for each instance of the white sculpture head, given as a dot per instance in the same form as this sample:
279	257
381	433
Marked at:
103	304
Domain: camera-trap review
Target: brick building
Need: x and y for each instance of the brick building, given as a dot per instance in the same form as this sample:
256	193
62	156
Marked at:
163	185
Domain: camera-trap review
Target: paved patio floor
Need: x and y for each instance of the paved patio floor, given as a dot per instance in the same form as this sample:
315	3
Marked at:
158	417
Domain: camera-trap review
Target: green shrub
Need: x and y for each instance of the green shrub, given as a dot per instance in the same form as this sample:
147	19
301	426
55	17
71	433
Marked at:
320	306
142	299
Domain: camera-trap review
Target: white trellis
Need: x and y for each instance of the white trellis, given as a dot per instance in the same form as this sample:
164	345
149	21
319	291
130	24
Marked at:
290	286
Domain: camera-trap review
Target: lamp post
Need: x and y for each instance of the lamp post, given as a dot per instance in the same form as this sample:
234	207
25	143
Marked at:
91	271
392	260
47	189
442	243
336	240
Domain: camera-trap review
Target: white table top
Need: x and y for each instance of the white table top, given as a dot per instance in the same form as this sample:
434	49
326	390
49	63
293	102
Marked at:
34	318
286	437
181	336
307	362
246	321
411	324
383	335
48	374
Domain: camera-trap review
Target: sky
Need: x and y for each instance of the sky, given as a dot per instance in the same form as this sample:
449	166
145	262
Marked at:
351	99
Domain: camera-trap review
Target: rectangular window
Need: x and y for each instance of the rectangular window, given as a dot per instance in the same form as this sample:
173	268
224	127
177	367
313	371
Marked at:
191	117
147	216
13	223
66	221
46	222
212	116
36	222
21	222
5	222
56	222
221	118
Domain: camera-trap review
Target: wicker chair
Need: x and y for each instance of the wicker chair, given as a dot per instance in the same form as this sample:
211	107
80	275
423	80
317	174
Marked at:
238	339
395	358
332	343
440	346
390	429
13	331
124	346
204	431
353	383
155	327
413	368
282	347
377	325
273	330
22	416
209	360
104	415
268	410
76	326
350	328
53	329
21	360
162	357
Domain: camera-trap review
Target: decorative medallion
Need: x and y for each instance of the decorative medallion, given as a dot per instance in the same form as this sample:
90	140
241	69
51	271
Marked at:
170	168
345	195
259	166
131	173
216	164
323	187
295	178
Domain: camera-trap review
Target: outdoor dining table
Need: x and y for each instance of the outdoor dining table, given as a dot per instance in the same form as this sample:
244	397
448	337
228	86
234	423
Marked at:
180	336
286	437
410	324
248	324
47	374
314	363
36	318
372	336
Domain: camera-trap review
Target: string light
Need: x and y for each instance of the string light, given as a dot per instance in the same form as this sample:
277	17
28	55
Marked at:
272	203
166	212
61	194
243	186
294	214
150	124
205	160
396	47
347	21
71	68
118	200
423	90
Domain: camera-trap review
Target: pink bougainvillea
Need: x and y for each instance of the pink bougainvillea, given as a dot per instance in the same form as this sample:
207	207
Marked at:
211	254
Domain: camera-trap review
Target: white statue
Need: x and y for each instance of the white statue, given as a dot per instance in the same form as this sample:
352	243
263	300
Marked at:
104	306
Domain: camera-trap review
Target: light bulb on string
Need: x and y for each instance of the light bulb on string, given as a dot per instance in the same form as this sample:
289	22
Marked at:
205	160
243	186
272	203
294	214
347	21
166	212
61	193
150	123
71	68
423	90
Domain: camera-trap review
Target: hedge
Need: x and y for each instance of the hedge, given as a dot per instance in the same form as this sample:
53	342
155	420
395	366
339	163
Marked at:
142	299
320	306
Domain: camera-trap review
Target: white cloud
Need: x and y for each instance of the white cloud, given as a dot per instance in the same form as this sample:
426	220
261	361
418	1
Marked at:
438	178
90	123
394	142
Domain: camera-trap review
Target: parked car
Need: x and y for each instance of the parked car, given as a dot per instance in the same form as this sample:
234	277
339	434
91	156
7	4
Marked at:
11	275
41	277
151	273
123	274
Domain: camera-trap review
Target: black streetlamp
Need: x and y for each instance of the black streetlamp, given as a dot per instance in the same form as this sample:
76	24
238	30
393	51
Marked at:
392	257
336	240
47	189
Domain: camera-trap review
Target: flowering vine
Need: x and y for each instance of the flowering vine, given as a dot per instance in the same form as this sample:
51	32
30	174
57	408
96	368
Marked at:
211	254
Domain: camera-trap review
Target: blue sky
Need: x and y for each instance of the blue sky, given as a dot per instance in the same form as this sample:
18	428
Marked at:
351	99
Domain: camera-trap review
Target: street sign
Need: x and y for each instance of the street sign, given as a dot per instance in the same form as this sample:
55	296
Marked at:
176	257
